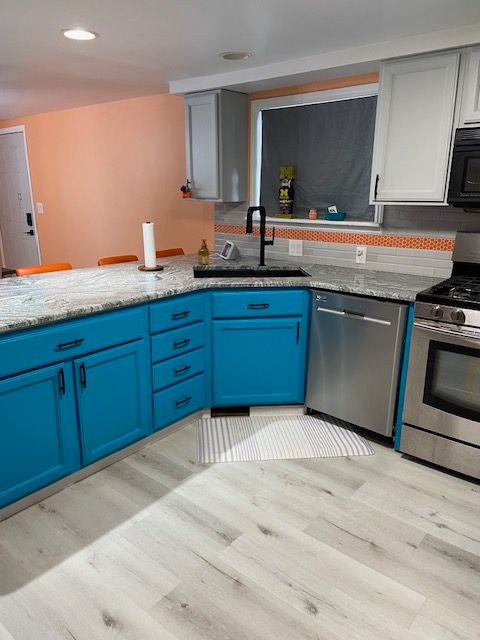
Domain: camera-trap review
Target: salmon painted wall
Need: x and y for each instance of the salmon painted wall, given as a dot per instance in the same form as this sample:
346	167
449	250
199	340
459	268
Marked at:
321	85
101	170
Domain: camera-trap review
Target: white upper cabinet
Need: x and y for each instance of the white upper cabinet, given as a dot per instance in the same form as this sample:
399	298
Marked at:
414	126
201	138
470	110
216	145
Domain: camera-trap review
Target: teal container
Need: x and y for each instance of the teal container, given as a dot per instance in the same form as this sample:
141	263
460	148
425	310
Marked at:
335	216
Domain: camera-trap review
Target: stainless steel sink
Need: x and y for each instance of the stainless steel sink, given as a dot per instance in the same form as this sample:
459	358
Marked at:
248	272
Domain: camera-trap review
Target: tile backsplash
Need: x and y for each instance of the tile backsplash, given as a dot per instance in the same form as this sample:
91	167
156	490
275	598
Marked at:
411	240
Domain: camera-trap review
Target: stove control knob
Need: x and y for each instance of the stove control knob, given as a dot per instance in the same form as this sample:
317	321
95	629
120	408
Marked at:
458	316
437	312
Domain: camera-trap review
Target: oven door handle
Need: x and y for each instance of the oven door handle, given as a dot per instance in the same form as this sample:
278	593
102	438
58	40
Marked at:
466	337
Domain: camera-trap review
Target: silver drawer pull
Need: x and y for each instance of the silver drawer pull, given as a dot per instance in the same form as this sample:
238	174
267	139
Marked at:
375	320
334	312
354	316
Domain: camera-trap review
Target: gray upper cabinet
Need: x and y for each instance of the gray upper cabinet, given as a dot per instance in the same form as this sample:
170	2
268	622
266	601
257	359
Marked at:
470	111
216	145
414	126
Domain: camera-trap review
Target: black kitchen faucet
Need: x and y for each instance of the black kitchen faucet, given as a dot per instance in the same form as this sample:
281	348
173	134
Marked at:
249	229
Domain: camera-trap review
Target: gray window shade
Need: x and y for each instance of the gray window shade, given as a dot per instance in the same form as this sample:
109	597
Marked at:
330	145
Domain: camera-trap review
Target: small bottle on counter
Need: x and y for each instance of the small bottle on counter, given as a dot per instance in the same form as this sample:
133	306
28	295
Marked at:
203	254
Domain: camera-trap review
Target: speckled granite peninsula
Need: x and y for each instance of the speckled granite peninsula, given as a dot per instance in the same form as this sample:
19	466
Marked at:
36	300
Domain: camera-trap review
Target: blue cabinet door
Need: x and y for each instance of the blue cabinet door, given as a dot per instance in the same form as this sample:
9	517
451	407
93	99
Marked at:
259	361
114	397
38	431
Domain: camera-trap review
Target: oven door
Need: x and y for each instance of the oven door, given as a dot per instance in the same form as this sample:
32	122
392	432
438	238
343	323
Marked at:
464	187
443	382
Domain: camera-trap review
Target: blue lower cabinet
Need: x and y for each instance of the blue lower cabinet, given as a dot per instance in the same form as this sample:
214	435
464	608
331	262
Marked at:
114	399
39	440
259	361
178	401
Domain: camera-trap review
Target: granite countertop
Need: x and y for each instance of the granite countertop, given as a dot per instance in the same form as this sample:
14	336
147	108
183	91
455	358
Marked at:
36	300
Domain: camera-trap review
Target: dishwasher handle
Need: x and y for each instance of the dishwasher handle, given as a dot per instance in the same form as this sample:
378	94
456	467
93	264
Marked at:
354	316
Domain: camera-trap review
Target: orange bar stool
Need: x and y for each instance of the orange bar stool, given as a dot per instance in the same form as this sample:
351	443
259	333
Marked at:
164	253
43	268
116	260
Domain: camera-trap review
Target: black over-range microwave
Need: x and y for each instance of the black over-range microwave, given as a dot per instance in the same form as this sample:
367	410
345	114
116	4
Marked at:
464	187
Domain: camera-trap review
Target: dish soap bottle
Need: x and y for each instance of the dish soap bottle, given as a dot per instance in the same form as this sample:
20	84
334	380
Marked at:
203	254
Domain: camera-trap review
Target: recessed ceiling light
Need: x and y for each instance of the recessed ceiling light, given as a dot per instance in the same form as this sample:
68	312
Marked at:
235	55
79	34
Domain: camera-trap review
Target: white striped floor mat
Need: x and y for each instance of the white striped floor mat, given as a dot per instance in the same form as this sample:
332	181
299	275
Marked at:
240	439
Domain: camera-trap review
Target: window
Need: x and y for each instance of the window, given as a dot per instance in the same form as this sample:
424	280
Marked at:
328	137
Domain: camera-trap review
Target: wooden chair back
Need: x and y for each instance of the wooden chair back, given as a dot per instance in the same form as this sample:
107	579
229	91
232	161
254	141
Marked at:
116	260
164	253
42	268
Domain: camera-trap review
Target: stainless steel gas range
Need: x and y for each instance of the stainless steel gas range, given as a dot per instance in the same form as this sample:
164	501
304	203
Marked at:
442	402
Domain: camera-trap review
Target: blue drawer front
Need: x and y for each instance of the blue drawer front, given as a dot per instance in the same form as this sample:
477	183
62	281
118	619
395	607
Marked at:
178	401
38	347
177	369
178	341
182	310
250	304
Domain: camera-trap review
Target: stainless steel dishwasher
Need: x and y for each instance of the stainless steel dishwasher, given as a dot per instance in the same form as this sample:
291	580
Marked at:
354	359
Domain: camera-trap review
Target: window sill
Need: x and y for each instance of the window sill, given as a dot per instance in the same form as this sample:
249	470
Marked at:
357	225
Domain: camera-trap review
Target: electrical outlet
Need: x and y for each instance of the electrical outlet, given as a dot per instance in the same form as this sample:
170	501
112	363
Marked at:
361	254
295	247
39	207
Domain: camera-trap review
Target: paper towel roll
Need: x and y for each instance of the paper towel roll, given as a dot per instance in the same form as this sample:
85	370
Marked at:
149	244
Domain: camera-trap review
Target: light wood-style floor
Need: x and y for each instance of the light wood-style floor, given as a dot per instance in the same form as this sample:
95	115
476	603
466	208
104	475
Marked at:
157	547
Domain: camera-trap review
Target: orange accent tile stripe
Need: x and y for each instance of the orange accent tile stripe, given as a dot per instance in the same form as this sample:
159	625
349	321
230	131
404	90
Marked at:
346	237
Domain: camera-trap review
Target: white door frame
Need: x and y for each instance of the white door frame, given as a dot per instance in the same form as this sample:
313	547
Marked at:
21	129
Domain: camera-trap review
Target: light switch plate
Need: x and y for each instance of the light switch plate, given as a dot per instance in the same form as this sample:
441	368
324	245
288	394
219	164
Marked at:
361	254
295	247
39	207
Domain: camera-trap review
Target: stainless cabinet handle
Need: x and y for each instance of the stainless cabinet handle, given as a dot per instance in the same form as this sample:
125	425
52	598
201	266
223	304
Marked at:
334	312
354	316
386	323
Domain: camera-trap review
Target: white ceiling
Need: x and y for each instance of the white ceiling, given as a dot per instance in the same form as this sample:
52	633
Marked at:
144	44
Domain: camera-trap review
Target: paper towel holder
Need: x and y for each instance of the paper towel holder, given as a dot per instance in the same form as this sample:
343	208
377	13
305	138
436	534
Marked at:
142	267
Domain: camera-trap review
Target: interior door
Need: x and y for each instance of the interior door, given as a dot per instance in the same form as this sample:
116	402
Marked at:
17	224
